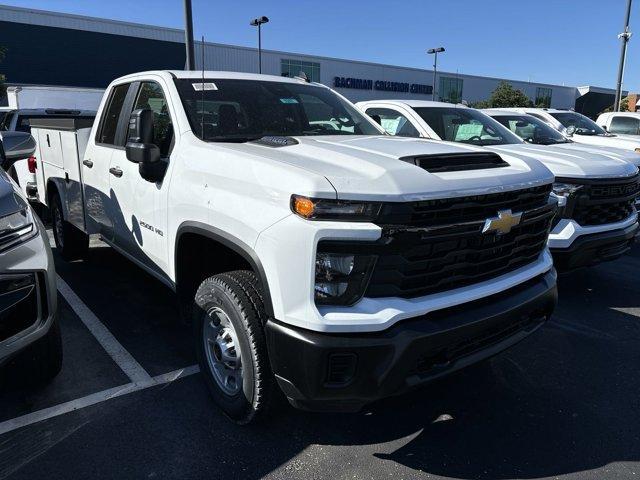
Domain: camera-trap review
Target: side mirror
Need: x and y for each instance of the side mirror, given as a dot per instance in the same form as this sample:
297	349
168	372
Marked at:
571	129
15	146
140	147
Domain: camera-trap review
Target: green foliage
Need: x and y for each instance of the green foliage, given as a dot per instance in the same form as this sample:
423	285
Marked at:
504	96
624	106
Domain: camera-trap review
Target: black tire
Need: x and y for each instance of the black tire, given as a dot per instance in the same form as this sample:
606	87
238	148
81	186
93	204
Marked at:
237	295
71	242
44	358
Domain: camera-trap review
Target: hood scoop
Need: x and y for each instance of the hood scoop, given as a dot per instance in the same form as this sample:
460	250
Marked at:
457	162
276	141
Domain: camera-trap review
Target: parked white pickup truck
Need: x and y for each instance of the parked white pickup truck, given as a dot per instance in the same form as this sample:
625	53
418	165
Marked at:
597	219
581	129
620	123
316	254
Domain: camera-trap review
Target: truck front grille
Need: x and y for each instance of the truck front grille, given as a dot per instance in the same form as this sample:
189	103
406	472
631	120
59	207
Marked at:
600	202
443	247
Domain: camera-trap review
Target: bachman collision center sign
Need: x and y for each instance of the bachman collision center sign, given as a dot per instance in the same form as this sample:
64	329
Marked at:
364	84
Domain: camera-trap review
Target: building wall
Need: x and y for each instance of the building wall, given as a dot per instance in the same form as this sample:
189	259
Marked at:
62	49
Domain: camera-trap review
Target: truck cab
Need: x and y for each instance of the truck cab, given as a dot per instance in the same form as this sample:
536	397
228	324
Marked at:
312	253
620	123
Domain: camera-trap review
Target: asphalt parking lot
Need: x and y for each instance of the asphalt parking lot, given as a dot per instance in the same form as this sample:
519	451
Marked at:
129	402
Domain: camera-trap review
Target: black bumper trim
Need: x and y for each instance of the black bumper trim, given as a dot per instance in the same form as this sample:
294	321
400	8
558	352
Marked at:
595	248
408	354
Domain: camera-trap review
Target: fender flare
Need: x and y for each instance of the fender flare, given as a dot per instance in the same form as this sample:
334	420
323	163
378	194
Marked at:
233	243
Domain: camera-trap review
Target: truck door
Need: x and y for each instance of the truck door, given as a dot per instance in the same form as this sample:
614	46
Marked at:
140	219
97	161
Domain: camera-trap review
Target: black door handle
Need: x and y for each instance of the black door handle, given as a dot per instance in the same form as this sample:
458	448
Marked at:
116	171
87	163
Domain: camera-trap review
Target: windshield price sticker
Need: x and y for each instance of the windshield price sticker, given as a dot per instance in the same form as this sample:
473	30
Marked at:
200	86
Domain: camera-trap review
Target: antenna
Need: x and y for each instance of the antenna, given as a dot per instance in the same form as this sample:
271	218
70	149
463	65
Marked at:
202	92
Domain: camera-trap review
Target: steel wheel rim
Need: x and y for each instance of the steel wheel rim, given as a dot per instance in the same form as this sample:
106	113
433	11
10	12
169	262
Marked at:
57	225
222	351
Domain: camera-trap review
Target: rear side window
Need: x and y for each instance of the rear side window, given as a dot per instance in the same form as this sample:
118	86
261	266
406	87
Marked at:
109	122
625	125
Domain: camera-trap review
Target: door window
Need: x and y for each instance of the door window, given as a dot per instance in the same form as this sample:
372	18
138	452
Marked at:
393	122
151	96
625	125
109	122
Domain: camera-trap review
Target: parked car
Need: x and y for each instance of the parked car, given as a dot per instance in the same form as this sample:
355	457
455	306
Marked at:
337	265
581	129
28	323
24	172
597	220
620	123
533	130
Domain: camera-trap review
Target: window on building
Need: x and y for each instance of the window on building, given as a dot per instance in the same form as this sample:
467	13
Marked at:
292	68
450	89
393	122
625	125
543	97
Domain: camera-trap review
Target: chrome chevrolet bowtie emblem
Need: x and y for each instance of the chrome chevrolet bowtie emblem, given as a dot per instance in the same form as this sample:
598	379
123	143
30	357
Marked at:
503	223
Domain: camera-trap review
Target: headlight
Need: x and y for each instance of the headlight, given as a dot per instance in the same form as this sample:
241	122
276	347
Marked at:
16	228
341	278
326	209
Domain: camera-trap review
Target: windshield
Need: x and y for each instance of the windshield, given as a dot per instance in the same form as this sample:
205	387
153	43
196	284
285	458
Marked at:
531	129
582	124
466	125
230	110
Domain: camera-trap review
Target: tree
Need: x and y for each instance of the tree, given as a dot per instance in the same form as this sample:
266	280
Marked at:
505	96
624	106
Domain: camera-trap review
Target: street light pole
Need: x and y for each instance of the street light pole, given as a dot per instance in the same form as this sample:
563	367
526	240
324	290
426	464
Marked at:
257	22
624	36
434	51
188	36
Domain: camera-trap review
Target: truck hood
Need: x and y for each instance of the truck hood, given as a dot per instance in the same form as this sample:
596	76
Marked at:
616	141
370	167
612	152
572	163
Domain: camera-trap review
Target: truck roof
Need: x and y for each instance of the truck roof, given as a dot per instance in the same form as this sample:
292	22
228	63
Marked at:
208	74
418	103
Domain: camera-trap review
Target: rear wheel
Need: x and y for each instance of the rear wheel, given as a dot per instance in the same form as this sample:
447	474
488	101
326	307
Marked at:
228	328
71	242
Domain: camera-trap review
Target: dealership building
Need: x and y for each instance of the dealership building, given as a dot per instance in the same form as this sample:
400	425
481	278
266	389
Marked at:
49	48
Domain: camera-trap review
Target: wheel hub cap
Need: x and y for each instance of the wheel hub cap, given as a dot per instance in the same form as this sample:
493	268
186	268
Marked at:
222	351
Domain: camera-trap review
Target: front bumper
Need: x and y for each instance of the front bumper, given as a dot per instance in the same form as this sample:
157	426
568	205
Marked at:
321	371
590	249
31	257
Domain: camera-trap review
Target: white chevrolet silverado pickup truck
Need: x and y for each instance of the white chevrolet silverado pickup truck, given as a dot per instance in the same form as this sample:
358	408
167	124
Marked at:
597	219
313	253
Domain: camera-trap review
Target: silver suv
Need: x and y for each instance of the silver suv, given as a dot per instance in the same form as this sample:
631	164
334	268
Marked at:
28	323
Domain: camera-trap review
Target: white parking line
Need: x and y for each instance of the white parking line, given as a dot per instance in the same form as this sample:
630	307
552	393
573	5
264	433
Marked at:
114	349
94	399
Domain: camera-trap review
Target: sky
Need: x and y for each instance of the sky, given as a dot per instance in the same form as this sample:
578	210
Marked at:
570	42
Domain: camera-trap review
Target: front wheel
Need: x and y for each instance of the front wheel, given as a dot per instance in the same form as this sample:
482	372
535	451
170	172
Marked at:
228	328
71	242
